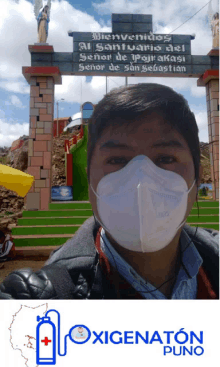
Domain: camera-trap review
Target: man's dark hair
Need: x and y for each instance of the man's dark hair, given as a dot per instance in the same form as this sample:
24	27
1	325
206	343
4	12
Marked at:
123	106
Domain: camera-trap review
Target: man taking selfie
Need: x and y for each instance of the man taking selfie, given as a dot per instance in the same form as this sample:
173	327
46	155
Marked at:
143	172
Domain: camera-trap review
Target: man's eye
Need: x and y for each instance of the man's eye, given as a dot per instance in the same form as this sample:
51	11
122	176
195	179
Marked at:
117	160
166	159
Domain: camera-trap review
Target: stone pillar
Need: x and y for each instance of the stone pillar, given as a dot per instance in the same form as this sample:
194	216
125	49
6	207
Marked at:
210	80
42	81
212	98
40	141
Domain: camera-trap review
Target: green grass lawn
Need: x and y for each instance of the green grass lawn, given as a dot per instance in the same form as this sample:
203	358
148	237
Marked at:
80	182
212	226
50	221
54	206
34	242
206	211
44	230
57	213
77	213
206	204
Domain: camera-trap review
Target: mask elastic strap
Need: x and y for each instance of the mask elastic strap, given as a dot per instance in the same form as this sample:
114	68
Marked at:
140	211
183	222
94	191
191	186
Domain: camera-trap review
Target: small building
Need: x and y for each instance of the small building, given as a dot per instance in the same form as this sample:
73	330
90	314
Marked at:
62	123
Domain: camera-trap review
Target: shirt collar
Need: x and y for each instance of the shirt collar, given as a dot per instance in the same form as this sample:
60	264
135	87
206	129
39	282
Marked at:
191	259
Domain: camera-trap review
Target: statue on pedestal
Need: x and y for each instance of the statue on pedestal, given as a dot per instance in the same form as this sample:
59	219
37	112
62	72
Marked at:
215	30
213	17
42	14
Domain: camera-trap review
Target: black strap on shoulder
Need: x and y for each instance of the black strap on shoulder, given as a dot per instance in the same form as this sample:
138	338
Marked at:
61	280
96	291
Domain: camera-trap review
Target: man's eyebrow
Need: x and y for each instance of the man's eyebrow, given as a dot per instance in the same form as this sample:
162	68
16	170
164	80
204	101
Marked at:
171	143
113	144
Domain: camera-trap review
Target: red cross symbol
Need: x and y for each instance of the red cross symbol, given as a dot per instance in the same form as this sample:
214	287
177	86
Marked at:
46	341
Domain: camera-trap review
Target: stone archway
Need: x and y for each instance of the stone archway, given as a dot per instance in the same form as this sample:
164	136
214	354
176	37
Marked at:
47	67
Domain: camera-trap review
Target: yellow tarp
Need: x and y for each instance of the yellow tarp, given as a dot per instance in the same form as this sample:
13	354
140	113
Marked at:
15	180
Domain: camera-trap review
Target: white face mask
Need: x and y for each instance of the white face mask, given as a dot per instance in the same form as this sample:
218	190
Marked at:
142	206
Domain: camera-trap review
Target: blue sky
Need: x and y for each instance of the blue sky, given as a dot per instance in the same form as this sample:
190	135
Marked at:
88	16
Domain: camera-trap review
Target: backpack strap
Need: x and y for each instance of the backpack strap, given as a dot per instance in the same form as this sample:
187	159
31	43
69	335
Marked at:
97	291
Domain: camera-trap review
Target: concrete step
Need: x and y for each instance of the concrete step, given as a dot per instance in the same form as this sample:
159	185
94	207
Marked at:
70	202
51	225
33	252
203	223
72	210
204	215
40	230
56	213
60	217
67	214
40	240
51	221
43	236
36	228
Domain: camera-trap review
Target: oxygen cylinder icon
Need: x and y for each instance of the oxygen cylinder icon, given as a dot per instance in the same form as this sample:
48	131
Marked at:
45	341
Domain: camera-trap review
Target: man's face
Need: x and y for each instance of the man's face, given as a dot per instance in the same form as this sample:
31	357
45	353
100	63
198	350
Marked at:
154	138
80	330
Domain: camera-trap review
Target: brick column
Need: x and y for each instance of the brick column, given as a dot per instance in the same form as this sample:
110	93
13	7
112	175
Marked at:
210	80
212	98
42	81
40	141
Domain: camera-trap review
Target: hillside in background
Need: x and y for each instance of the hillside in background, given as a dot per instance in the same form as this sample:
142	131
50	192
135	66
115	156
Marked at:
11	204
205	162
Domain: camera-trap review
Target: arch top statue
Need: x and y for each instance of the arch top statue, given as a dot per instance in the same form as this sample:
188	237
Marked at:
215	30
42	14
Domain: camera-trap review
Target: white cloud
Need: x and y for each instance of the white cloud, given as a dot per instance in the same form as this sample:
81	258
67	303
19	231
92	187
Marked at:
18	28
202	121
167	16
15	101
197	91
10	131
65	17
70	89
15	86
